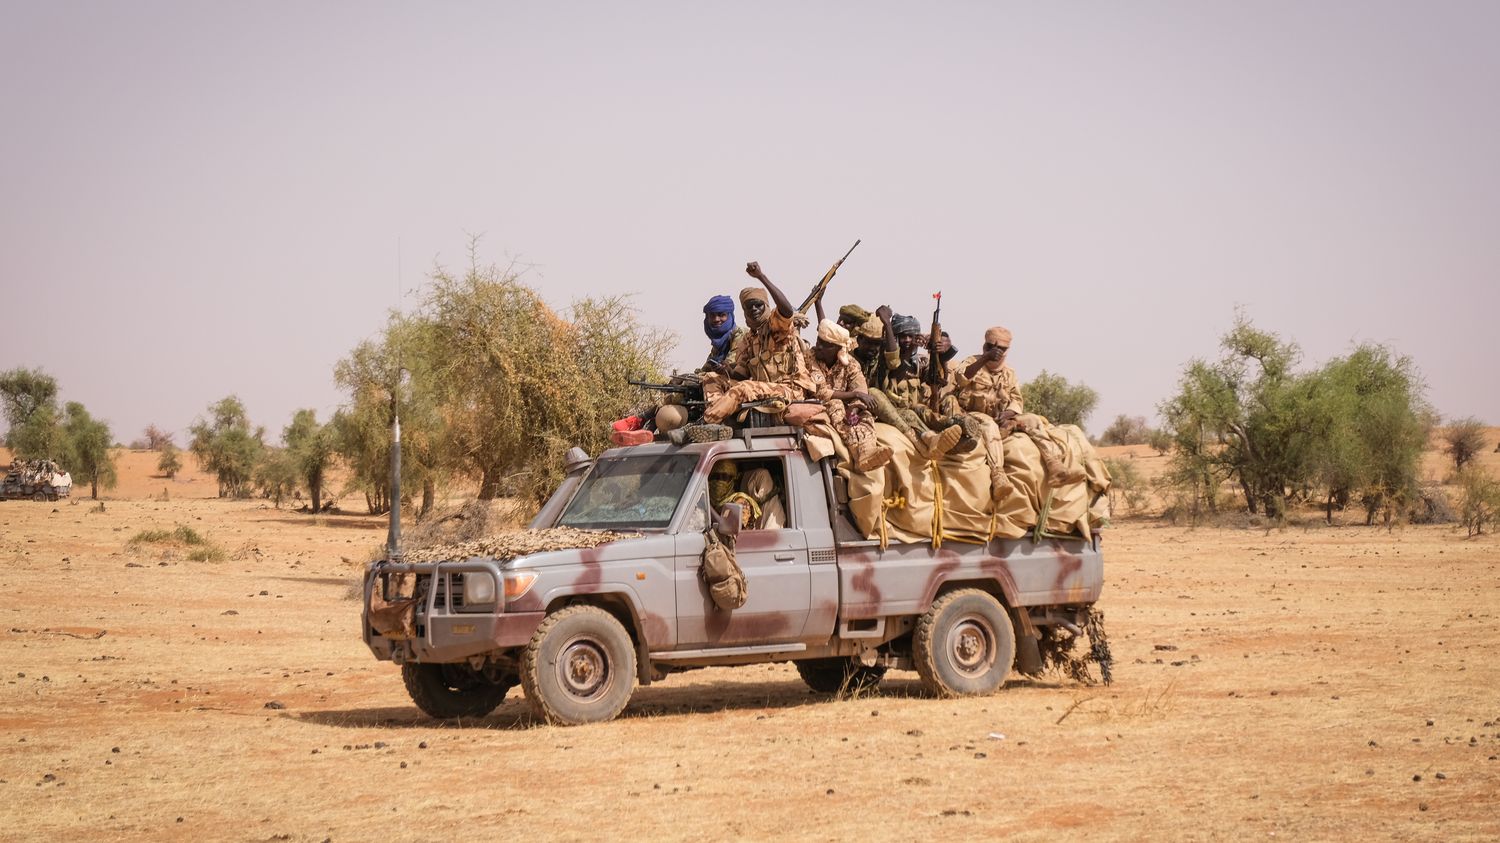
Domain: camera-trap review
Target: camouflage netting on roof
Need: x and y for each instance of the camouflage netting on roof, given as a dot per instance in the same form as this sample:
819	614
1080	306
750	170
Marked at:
513	543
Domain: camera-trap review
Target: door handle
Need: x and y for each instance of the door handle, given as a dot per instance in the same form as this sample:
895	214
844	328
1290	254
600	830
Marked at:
784	557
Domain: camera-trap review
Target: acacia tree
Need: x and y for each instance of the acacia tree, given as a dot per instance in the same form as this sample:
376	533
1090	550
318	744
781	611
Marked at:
1392	420
1463	440
276	474
499	384
1356	426
170	461
86	452
153	438
29	398
225	445
1234	419
1126	430
309	446
362	428
1061	402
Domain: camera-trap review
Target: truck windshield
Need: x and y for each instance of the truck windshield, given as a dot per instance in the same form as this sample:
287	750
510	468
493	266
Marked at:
636	492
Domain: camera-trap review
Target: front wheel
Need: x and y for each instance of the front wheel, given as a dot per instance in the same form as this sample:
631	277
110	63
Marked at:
964	645
446	691
579	667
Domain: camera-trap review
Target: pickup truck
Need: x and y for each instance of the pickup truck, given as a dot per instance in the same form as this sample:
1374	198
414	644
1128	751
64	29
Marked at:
578	628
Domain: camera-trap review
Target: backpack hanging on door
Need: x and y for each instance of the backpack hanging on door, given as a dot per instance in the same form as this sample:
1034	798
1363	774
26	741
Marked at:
722	574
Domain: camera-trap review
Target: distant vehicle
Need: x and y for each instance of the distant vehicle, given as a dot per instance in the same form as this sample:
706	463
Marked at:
579	627
39	480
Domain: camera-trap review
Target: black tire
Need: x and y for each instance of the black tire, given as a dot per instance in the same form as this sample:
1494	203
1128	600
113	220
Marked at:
579	667
446	691
835	675
964	645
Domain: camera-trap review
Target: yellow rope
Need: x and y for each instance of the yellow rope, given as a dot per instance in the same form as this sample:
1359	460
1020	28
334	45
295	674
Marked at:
937	505
898	502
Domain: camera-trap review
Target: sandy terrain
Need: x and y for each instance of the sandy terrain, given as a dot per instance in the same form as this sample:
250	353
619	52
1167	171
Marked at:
1307	683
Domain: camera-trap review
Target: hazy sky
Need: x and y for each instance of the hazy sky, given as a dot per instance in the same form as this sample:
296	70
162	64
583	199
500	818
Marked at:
199	199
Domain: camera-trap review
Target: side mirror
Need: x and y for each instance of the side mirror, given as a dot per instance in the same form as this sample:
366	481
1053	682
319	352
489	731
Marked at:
729	520
575	459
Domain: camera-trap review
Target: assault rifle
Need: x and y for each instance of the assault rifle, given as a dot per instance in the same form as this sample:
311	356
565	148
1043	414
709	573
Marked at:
689	387
937	372
821	286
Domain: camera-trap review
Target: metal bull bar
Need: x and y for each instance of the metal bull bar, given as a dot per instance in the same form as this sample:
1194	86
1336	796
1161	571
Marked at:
438	571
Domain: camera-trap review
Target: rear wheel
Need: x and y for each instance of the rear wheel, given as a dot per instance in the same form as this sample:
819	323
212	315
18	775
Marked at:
446	691
964	645
579	667
832	676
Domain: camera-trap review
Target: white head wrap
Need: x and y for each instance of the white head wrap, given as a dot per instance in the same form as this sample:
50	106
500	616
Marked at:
833	333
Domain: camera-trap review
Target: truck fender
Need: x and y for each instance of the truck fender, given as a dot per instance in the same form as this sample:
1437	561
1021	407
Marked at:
623	603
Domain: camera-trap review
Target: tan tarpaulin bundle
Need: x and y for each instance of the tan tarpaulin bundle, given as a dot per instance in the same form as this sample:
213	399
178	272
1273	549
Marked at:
914	500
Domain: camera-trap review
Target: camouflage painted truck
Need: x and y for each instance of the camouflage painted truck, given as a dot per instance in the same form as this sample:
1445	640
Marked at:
38	480
579	627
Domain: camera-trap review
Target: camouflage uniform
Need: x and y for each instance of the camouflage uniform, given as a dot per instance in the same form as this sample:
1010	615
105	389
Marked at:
729	359
994	393
991	393
771	356
907	396
855	427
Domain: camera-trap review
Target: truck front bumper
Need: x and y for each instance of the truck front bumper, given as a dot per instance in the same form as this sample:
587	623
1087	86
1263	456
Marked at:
439	633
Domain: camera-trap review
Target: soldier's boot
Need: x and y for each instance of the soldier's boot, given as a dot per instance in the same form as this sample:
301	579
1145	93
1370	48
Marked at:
937	445
870	455
1059	473
972	436
1000	485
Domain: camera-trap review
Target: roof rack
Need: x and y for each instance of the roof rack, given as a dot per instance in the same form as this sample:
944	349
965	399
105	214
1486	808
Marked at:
748	433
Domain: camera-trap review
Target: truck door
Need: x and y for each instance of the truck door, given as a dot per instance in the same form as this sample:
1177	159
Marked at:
775	561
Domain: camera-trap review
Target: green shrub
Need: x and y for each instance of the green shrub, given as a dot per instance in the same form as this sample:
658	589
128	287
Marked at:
1479	500
1127	489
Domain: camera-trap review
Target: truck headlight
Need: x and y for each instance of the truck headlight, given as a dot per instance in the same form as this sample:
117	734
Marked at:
479	588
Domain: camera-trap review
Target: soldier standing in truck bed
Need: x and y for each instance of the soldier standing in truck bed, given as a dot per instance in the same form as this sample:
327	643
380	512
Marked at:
768	360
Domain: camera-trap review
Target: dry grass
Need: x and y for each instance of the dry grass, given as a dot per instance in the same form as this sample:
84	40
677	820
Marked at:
1322	656
183	542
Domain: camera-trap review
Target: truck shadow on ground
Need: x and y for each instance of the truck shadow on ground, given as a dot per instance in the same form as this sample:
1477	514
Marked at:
655	701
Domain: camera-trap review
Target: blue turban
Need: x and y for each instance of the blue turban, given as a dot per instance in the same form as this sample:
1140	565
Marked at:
722	335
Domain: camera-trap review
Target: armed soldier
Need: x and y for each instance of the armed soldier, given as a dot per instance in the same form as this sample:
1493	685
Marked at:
840	385
896	387
767	360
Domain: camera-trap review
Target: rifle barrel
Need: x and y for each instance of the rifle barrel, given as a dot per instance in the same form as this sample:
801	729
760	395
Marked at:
818	288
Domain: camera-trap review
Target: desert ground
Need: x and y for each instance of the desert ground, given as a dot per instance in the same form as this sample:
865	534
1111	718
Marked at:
1307	682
